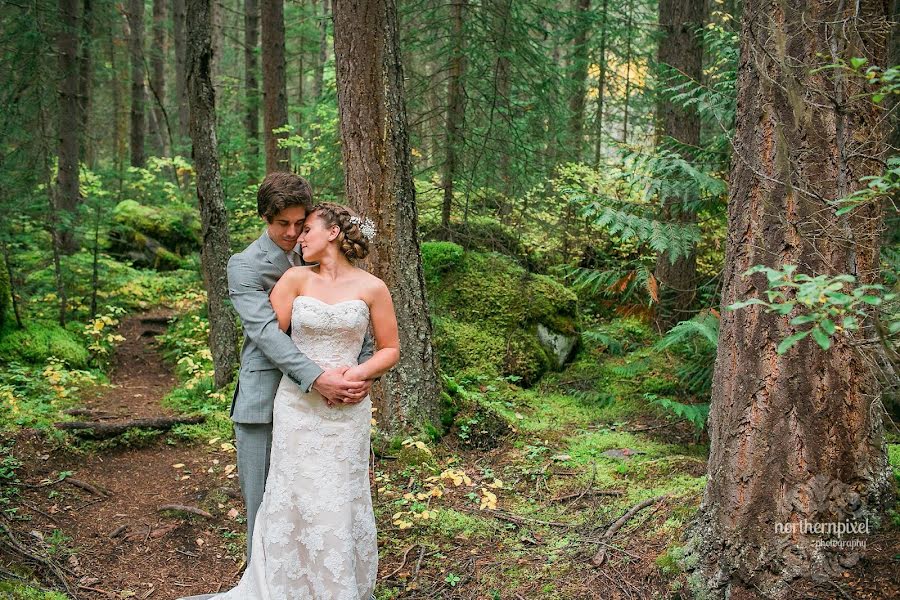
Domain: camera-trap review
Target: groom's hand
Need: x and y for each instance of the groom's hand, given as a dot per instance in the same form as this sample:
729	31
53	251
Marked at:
335	388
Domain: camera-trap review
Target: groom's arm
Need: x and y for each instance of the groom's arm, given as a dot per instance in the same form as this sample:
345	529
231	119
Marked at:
251	301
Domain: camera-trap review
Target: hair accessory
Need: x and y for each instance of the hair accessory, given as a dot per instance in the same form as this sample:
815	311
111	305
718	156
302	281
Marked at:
367	227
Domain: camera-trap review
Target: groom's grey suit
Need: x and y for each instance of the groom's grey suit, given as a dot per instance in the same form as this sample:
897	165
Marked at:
268	352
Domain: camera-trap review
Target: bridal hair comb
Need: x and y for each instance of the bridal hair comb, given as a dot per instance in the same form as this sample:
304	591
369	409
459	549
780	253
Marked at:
366	227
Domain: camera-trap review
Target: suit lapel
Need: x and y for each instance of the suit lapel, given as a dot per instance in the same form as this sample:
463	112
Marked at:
274	254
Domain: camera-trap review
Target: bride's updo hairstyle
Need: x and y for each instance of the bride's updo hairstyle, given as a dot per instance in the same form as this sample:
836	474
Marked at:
352	242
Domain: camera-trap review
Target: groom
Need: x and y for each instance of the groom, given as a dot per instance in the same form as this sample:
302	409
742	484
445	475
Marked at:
283	201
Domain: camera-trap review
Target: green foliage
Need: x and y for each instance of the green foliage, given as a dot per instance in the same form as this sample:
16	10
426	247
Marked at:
877	188
695	341
697	414
831	304
478	233
154	236
20	591
37	342
35	396
5	292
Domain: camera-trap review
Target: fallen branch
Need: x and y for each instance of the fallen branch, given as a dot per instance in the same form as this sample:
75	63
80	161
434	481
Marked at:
108	430
85	486
587	493
185	509
600	557
521	520
402	563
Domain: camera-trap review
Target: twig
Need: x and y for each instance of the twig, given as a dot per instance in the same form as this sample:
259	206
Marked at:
40	512
415	572
85	486
402	563
187	509
520	520
587	493
600	557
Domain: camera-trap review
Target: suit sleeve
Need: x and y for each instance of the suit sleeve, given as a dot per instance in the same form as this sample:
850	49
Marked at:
368	348
252	304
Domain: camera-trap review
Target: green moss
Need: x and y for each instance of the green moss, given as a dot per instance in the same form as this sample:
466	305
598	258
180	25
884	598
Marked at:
452	523
438	258
478	233
20	591
37	342
175	226
894	459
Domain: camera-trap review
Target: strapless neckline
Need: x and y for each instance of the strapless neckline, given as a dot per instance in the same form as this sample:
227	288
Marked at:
330	303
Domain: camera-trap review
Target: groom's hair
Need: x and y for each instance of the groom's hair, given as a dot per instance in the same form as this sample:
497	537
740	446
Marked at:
281	190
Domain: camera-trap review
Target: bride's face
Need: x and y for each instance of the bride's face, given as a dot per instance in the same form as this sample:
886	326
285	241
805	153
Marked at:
316	237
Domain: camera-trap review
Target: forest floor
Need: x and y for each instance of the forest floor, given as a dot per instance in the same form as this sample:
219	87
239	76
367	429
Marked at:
492	512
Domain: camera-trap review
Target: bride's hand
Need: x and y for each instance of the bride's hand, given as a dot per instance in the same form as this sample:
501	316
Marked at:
353	375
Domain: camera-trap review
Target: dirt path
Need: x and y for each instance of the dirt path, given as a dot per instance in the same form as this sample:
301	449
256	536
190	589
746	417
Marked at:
118	544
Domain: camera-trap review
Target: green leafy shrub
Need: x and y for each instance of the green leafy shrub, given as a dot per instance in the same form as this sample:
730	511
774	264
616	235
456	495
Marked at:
36	343
20	591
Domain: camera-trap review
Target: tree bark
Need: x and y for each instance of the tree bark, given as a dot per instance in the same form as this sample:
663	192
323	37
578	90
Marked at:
251	80
274	85
680	49
578	66
66	195
628	34
795	438
178	23
455	110
138	94
379	182
215	242
322	56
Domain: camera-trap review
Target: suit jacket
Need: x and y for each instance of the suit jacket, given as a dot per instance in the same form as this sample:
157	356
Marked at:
268	352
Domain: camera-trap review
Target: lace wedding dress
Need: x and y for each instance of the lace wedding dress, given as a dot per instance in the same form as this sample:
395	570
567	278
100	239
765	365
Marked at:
314	537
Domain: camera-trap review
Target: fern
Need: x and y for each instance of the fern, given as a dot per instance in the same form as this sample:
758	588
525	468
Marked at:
632	369
697	414
695	341
612	346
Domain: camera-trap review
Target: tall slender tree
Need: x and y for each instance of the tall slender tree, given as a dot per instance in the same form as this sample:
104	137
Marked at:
274	85
601	82
138	94
680	50
380	186
796	439
455	109
251	80
158	53
215	241
66	195
178	23
86	82
578	67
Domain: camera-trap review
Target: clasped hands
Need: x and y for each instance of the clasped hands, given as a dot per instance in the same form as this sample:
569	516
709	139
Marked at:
342	385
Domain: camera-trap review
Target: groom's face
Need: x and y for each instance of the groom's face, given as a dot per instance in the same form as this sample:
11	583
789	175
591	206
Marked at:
285	227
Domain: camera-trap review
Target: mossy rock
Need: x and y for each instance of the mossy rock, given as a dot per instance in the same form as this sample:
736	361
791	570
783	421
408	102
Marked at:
37	342
154	237
5	292
489	310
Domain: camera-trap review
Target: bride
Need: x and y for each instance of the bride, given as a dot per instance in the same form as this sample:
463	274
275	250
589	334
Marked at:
315	529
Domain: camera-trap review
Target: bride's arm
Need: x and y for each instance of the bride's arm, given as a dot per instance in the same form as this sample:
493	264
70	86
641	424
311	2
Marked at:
283	295
387	338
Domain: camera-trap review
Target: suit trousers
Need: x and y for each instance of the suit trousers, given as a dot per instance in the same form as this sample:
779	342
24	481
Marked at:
254	446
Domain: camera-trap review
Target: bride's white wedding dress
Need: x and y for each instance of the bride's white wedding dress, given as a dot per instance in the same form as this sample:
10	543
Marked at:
314	537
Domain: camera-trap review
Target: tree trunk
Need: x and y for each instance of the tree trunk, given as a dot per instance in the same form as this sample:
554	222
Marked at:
628	34
251	81
502	88
682	50
578	67
215	244
66	195
86	83
796	440
380	186
455	110
136	50
601	84
178	23
118	125
158	77
274	85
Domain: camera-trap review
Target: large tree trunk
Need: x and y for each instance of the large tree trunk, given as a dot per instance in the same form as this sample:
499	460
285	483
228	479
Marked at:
178	23
66	195
455	110
578	66
380	186
795	438
274	85
251	81
136	50
216	247
158	78
681	49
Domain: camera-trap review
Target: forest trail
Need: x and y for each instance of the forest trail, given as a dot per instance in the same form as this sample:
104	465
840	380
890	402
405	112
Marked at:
113	540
